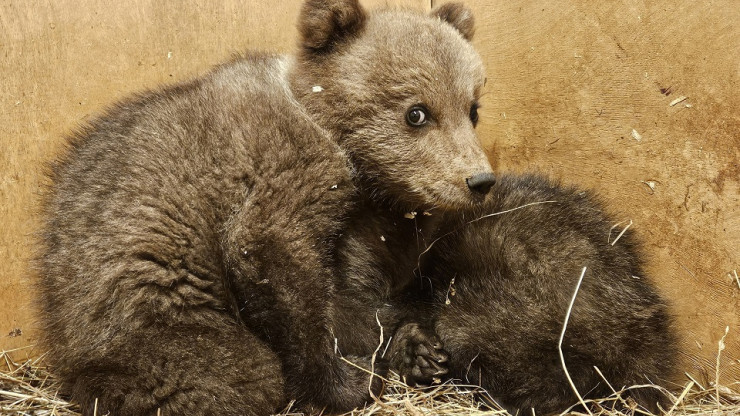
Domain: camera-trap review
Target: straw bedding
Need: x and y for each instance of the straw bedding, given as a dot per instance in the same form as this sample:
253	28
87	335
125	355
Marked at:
29	388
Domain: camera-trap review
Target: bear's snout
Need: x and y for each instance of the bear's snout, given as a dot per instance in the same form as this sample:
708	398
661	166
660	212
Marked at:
481	182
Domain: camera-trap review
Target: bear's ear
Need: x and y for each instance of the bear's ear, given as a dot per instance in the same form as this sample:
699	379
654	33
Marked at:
325	23
459	16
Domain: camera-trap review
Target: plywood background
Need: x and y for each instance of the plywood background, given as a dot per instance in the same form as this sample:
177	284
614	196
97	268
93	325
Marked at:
579	90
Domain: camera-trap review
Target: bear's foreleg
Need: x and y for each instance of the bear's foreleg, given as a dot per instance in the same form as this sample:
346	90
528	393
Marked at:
278	248
284	293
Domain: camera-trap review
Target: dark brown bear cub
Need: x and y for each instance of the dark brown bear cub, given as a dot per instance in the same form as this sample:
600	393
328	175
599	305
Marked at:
515	273
187	263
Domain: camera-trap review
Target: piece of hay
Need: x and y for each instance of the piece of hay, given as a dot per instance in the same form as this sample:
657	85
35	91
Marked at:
565	326
678	100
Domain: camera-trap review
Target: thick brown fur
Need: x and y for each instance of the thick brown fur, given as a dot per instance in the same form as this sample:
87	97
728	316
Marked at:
514	275
187	259
160	209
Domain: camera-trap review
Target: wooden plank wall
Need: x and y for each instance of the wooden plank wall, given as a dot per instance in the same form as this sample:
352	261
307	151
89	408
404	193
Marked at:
581	91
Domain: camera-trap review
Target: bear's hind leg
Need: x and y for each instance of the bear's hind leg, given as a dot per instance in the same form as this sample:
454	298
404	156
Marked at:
179	370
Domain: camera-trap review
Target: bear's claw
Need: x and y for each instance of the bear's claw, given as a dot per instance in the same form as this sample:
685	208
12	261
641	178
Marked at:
417	354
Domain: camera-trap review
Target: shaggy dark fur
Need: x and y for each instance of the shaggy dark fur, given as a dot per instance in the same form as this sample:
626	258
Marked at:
514	276
187	251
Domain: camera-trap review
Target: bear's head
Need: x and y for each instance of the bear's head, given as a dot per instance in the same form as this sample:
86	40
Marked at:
399	92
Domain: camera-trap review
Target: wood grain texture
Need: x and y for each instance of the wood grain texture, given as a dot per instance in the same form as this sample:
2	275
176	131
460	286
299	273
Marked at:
567	85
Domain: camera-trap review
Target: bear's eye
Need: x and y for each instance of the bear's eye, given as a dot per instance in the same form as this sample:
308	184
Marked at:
417	116
474	113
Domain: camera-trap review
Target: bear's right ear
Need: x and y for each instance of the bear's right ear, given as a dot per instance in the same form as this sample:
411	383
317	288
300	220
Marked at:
325	23
459	16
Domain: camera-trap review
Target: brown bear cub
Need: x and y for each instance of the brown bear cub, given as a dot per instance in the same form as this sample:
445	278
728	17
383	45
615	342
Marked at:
188	261
515	267
401	99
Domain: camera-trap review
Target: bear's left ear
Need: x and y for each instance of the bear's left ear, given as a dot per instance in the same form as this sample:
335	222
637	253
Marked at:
459	16
325	23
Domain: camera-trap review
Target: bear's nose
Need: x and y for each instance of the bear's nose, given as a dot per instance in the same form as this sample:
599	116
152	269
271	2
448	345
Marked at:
481	182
